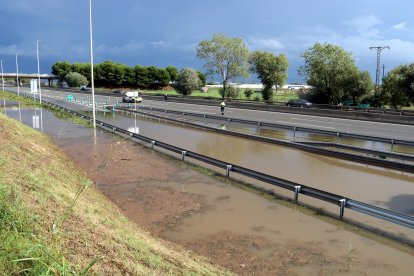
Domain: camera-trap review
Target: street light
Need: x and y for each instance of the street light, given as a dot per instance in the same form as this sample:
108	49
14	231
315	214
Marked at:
2	74
38	70
92	82
17	77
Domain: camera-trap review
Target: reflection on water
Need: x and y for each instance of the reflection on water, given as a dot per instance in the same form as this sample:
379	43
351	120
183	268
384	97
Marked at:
357	181
231	209
299	136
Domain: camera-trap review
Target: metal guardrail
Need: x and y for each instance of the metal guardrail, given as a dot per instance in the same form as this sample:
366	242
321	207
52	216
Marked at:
341	201
311	147
287	127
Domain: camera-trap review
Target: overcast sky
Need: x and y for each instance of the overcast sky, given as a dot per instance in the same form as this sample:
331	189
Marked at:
165	32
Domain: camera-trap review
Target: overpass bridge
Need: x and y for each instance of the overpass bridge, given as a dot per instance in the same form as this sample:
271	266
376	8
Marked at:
49	78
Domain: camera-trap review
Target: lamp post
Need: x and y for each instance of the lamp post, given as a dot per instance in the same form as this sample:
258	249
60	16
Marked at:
38	70
92	82
17	76
2	74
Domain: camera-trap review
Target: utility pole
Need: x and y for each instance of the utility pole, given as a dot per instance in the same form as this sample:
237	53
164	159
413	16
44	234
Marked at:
379	49
383	71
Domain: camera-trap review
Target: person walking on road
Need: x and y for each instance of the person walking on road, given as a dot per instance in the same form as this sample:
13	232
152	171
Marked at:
222	105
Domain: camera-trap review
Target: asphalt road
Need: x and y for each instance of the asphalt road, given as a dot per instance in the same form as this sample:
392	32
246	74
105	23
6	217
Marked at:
392	131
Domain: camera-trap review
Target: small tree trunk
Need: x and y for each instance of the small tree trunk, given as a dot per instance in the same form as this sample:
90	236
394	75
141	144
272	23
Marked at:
224	88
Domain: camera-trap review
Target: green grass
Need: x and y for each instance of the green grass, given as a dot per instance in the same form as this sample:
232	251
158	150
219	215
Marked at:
213	93
54	222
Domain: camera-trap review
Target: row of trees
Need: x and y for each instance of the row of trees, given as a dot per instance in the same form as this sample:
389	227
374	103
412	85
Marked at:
230	59
328	68
111	74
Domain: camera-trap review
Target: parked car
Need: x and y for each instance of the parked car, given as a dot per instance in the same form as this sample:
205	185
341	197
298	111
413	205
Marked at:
118	92
85	88
352	103
131	97
299	103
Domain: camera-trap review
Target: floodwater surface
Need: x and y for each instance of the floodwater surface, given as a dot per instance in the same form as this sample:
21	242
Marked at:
370	184
272	230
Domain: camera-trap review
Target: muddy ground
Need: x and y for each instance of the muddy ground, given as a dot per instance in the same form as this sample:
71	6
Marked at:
125	173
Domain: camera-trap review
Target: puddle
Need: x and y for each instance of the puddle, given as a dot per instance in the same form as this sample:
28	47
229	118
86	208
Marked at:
245	232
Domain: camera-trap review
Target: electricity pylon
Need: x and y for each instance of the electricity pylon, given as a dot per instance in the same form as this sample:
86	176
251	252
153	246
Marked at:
379	49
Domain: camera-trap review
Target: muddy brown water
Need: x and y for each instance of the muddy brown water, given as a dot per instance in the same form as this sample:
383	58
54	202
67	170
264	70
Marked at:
245	232
370	184
283	134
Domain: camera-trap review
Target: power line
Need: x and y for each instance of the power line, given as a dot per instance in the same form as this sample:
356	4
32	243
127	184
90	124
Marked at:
379	49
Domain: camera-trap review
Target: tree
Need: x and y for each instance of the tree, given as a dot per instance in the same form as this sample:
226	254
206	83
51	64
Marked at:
327	68
202	77
142	77
75	79
61	69
397	86
224	56
359	86
82	68
173	72
187	81
270	69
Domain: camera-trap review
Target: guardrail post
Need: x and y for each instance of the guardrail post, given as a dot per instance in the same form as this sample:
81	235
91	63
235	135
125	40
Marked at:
337	136
152	144
294	132
342	203
228	169
297	191
229	120
113	129
392	143
183	154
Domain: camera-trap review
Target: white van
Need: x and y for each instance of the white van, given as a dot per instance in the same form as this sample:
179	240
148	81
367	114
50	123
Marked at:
131	97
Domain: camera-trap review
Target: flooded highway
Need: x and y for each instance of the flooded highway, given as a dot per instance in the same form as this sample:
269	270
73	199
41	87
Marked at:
258	232
370	184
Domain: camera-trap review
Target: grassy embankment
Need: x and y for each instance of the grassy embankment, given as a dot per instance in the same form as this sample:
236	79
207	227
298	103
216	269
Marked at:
283	95
54	222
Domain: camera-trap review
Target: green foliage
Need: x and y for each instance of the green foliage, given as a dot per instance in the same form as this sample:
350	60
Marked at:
397	87
75	79
202	78
360	86
173	72
270	69
82	68
187	81
327	68
267	93
232	92
61	69
224	56
248	93
142	79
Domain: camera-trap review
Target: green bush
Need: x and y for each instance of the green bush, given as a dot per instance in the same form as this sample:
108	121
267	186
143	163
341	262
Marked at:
75	79
248	93
187	81
257	98
232	92
267	93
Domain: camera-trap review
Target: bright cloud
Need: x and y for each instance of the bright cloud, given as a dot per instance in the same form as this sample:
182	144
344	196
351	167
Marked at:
400	26
264	43
365	26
